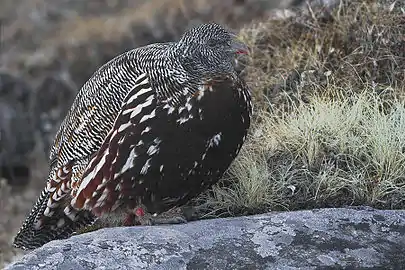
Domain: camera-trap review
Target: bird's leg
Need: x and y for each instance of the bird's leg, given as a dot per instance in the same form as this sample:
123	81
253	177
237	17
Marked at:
90	228
173	216
139	216
142	217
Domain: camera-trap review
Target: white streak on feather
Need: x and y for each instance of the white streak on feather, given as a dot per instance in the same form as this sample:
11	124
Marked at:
215	140
148	116
145	167
153	149
140	92
147	129
102	198
86	180
48	212
129	162
124	126
189	106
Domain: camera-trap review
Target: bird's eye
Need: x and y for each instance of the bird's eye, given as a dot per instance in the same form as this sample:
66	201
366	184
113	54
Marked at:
212	42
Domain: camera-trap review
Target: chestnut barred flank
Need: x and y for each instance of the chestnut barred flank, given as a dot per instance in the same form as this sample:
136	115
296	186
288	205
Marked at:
155	126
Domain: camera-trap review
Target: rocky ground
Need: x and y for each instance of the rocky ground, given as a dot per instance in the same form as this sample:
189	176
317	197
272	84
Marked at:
317	239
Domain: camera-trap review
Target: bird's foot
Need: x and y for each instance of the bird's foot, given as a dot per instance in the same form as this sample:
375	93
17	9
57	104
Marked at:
140	217
90	228
173	216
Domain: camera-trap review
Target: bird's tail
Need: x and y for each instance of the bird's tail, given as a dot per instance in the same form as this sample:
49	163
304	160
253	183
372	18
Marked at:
51	218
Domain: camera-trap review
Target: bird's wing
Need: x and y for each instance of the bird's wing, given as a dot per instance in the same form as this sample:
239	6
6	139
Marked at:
80	135
138	107
85	128
93	112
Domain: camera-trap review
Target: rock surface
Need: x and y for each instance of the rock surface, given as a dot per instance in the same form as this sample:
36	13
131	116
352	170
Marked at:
317	239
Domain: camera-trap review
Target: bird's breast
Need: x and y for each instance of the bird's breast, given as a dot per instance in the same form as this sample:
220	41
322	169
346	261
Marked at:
161	153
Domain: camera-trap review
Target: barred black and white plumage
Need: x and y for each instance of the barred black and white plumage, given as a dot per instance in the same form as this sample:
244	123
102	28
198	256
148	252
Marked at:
153	127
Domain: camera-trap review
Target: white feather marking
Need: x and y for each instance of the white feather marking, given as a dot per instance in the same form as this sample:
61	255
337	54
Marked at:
69	213
58	176
121	140
48	212
215	140
181	109
140	142
145	167
86	202
86	180
51	203
171	110
200	112
101	186
161	168
55	196
148	116
153	149
135	111
102	198
189	106
124	126
139	93
114	160
49	188
62	187
129	162
65	170
147	129
183	120
200	94
67	210
116	204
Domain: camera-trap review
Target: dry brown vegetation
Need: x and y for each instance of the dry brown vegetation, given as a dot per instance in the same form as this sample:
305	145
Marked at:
330	117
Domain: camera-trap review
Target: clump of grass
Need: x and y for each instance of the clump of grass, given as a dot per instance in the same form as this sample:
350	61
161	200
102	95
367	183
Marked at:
324	153
329	118
358	43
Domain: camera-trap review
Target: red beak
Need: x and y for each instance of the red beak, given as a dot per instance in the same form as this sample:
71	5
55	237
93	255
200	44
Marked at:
239	47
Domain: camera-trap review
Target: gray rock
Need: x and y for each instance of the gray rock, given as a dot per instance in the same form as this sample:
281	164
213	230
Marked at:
317	239
16	129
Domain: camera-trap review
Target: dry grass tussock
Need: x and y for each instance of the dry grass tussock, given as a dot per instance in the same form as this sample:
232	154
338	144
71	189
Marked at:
330	117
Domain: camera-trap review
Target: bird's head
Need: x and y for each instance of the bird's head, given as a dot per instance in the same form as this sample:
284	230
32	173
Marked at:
209	49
